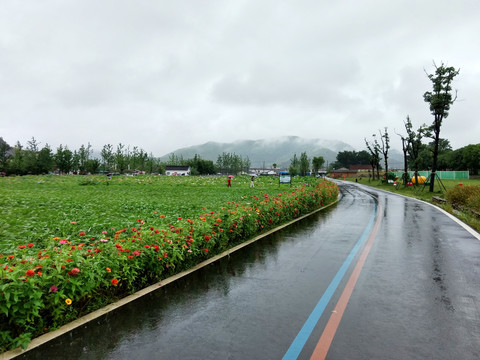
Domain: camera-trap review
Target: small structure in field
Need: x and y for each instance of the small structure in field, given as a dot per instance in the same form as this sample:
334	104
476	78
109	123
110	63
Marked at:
177	170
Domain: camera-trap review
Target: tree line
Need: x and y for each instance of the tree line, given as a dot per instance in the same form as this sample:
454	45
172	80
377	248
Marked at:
465	158
301	165
35	160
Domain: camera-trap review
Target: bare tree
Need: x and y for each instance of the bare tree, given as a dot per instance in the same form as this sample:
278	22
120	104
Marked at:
385	146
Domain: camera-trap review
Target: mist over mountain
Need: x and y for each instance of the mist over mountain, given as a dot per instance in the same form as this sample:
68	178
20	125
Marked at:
265	152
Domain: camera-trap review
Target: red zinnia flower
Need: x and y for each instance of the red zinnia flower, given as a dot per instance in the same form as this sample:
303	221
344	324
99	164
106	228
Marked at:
114	282
82	233
30	273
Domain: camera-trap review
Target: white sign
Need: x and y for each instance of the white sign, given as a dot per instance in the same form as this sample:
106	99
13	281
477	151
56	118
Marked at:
285	179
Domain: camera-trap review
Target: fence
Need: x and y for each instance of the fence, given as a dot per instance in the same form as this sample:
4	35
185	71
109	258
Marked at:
444	175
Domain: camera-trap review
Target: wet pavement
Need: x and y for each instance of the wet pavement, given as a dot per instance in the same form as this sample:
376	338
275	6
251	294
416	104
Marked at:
417	296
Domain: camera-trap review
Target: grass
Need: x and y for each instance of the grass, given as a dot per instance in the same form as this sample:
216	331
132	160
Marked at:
36	208
422	193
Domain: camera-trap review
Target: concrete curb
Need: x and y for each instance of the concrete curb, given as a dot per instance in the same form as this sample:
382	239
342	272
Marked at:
100	312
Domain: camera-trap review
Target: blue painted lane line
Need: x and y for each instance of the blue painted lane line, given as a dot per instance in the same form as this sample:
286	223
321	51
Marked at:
297	345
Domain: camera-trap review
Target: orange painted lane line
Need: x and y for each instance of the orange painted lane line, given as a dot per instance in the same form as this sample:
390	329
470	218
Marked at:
323	345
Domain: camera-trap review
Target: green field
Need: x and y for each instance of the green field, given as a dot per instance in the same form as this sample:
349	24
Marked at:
72	244
36	208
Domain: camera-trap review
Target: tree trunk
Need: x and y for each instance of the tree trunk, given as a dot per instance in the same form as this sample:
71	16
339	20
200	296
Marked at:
435	154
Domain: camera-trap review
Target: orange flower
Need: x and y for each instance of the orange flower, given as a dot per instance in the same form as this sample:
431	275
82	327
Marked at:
108	270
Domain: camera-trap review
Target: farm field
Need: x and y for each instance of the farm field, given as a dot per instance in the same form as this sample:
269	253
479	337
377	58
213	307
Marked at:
72	244
36	208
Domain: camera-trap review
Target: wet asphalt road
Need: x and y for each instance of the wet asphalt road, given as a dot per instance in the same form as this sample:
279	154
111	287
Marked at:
417	296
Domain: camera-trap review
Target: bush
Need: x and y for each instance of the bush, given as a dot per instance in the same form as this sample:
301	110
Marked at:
468	196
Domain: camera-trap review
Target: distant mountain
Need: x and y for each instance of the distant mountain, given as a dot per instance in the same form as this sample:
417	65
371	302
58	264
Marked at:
265	152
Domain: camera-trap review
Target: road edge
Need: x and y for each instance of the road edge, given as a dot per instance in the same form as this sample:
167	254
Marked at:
467	227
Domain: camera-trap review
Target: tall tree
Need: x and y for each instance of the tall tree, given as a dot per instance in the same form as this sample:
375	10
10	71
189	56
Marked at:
304	164
107	157
64	159
439	99
374	149
471	158
31	156
121	158
405	145
45	160
317	163
5	154
294	167
231	163
414	145
84	154
17	163
348	158
385	140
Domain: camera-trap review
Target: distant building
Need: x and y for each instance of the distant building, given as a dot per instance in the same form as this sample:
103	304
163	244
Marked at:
177	170
263	171
361	167
342	173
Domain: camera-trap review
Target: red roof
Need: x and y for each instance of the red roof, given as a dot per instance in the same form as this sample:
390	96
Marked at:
360	167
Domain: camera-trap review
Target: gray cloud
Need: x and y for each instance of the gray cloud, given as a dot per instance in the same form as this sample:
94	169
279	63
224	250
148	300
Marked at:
161	75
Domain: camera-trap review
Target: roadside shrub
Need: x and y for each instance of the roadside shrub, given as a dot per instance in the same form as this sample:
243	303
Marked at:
468	196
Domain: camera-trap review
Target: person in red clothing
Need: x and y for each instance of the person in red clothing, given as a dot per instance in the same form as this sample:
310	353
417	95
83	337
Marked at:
229	182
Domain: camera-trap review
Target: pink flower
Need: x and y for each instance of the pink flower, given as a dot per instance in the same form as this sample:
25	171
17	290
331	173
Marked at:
74	272
53	288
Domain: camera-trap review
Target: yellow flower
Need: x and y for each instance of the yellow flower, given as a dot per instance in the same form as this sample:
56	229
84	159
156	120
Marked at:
68	301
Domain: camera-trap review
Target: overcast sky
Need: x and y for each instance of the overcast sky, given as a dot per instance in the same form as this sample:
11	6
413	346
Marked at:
161	75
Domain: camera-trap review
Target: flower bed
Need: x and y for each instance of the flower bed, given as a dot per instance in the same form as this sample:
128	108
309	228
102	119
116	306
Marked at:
48	283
